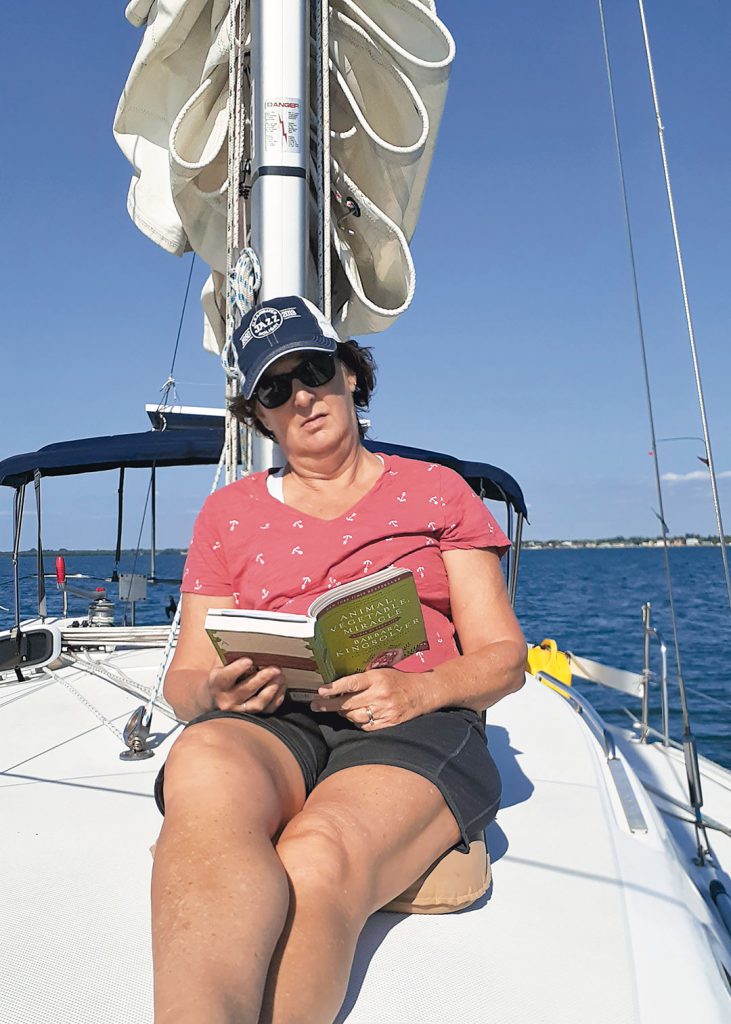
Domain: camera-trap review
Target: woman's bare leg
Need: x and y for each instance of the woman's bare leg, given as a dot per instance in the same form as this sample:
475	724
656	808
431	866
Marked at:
219	891
350	850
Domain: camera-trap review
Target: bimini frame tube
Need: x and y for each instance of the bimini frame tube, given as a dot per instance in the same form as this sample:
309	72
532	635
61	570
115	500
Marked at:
513	575
153	522
18	504
280	47
41	572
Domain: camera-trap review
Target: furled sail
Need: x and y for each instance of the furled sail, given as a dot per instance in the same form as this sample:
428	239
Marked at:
389	66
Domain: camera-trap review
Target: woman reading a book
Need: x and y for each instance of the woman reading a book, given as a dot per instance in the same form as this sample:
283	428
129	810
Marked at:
287	824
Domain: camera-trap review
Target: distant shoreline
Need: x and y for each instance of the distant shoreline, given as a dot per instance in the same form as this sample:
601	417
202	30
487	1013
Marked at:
48	552
622	543
649	543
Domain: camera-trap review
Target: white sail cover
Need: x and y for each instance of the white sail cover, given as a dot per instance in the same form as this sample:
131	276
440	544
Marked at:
389	66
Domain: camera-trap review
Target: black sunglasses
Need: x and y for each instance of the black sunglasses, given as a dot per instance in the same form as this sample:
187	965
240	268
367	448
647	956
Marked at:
275	389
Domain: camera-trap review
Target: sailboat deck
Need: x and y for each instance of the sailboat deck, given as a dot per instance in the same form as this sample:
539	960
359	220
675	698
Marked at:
551	941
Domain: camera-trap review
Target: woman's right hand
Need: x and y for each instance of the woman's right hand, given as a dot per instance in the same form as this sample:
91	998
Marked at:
244	687
197	682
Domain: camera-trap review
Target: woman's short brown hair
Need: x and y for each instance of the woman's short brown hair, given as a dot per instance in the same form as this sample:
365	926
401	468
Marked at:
357	358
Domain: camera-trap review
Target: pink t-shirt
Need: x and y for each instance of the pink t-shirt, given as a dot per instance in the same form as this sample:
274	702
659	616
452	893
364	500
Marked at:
267	555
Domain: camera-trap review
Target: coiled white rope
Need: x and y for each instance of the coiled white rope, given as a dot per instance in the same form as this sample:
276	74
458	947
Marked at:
244	283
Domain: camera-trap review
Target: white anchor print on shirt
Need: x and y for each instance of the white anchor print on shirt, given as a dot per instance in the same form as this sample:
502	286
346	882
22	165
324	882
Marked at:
198	585
420	570
305	582
298	524
366	566
264	526
392	522
297	550
351	517
401	497
232	524
347	537
260	558
216	546
264	593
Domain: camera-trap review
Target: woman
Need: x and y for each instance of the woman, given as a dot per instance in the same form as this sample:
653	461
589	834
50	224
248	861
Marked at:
287	825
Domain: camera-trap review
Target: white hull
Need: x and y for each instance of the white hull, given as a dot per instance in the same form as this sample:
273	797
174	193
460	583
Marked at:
585	921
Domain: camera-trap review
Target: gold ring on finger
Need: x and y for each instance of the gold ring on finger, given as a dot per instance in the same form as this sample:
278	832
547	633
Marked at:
371	718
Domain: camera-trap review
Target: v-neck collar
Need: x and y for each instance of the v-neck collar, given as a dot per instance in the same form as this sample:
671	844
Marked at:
291	510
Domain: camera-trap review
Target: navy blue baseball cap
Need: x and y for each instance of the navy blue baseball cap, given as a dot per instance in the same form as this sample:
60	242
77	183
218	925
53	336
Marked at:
273	329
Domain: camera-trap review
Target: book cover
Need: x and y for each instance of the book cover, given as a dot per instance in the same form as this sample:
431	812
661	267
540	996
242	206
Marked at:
377	627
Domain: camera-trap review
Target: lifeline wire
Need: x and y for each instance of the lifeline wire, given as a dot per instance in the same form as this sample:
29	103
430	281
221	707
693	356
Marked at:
686	304
643	347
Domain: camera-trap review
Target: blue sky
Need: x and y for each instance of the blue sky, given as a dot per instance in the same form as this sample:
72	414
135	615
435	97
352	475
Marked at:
521	345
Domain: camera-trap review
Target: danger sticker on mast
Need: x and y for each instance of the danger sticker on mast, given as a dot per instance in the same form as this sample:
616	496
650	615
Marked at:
282	126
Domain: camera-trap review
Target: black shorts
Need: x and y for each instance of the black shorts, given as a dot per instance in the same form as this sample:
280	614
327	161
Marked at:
448	747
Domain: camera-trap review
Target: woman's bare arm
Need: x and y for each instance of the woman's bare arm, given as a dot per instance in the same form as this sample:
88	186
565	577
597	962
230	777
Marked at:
492	642
197	682
492	664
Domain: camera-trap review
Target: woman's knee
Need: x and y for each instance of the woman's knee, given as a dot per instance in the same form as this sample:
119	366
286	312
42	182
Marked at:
326	859
207	746
225	764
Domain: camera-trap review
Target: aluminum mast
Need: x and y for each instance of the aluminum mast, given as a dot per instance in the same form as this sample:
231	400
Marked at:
280	111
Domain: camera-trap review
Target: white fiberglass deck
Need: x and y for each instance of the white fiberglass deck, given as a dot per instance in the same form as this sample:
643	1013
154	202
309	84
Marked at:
585	920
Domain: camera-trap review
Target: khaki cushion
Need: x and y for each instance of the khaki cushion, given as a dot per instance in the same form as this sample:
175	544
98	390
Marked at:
453	883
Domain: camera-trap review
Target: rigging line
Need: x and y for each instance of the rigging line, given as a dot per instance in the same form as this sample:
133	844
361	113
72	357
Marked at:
708	697
690	754
182	317
708	822
172	640
643	346
686	303
142	525
236	20
87	704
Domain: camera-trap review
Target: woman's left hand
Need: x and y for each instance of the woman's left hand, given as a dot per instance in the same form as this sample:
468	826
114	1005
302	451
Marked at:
374	699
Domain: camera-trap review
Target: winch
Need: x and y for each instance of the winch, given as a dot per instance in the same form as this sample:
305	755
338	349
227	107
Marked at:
101	610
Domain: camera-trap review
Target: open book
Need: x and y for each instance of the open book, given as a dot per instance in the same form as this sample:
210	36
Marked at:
373	622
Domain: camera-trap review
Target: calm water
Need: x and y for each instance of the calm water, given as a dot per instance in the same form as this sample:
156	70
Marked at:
588	600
